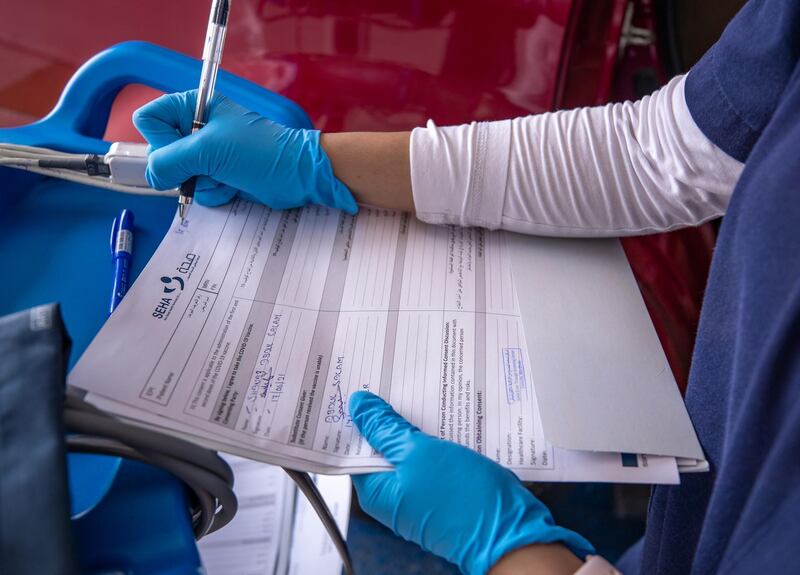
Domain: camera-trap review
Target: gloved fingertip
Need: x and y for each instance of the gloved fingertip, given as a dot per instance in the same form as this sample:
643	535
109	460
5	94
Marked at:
165	119
154	181
151	110
158	168
362	400
384	429
136	117
215	196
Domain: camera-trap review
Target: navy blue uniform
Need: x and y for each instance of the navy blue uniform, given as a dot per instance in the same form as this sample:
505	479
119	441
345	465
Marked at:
744	388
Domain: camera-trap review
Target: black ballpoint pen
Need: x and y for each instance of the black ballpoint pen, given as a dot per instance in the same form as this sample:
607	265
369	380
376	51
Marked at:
212	55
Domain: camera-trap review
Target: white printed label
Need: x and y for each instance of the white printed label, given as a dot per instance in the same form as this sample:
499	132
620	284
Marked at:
124	242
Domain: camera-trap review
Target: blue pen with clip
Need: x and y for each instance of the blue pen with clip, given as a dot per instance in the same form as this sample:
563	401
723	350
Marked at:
121	254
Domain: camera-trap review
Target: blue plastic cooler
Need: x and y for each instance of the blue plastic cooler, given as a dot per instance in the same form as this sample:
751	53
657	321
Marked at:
54	247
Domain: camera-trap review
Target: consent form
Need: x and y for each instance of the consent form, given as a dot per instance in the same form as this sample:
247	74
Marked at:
249	329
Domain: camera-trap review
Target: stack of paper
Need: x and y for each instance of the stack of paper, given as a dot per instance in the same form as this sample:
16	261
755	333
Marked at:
276	531
249	329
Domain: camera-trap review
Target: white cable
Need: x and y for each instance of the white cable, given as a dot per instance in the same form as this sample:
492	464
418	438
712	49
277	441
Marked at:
17	151
35	150
14	154
95	181
14	162
26	158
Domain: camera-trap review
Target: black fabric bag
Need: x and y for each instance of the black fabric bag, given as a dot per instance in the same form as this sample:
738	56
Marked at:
35	529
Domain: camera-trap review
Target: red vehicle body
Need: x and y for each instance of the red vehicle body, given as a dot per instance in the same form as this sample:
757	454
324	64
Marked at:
388	65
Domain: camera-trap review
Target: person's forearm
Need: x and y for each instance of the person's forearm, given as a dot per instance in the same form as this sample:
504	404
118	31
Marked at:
538	559
615	170
375	166
621	169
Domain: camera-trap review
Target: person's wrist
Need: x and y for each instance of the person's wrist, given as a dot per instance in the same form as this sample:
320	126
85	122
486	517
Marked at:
532	526
537	559
373	165
537	529
330	189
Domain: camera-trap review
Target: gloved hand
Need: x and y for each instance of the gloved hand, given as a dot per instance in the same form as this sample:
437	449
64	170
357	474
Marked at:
446	498
237	151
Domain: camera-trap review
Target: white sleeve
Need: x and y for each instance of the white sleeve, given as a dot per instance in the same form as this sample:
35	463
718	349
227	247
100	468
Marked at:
615	170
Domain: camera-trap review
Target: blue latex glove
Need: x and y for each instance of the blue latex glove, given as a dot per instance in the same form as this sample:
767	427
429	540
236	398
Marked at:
237	151
446	498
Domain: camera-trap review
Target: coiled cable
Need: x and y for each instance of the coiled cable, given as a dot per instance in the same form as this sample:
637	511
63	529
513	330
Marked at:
205	473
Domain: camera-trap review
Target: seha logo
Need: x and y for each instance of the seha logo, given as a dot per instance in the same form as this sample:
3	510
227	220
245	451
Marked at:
173	284
168	280
187	265
162	309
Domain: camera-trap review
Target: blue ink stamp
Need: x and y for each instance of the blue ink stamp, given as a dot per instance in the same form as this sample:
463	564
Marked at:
514	370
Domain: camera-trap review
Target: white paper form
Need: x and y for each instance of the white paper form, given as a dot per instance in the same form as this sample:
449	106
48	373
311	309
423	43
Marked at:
260	533
313	552
251	328
276	531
